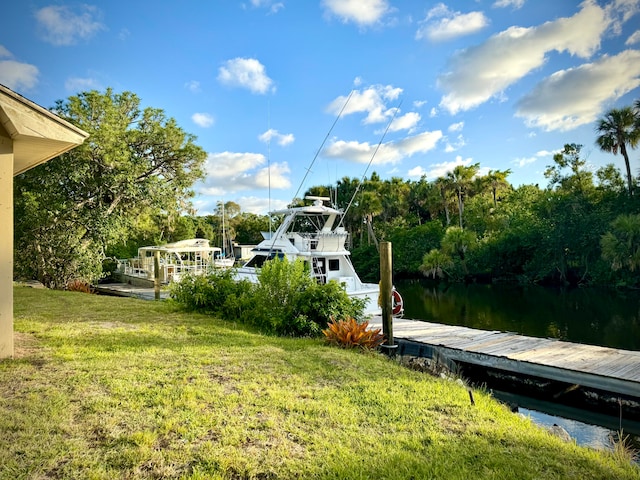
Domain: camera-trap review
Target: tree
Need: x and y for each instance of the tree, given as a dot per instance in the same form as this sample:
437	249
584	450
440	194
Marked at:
461	178
369	206
435	264
247	227
444	186
579	180
136	161
424	200
619	128
497	180
609	178
621	246
457	242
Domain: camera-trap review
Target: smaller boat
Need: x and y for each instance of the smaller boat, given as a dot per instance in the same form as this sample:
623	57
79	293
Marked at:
194	256
313	233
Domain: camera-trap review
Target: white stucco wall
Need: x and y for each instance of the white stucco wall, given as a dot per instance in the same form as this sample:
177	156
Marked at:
6	247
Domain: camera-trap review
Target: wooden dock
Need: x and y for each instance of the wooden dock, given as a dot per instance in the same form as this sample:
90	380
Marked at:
601	368
127	290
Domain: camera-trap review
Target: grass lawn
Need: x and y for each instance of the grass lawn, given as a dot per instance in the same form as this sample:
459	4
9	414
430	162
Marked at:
105	387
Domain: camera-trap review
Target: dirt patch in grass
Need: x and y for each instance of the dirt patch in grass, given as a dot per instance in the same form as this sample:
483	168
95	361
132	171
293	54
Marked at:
26	345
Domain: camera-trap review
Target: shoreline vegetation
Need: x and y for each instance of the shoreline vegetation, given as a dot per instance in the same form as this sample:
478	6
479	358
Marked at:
108	387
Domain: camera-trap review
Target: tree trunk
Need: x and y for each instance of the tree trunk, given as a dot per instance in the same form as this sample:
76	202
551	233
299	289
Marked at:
460	206
623	151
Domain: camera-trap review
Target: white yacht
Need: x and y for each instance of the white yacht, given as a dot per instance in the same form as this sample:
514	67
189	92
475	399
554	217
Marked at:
314	234
193	256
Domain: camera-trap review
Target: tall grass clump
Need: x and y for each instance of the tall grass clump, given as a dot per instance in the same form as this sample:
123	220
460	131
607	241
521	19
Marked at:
286	300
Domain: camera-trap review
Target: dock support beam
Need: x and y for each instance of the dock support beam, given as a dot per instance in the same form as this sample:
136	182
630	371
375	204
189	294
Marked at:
386	285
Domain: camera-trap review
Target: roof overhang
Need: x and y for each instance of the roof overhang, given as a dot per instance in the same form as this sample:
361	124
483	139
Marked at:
38	135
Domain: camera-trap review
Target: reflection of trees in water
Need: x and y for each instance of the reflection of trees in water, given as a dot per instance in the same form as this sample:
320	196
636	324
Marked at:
579	315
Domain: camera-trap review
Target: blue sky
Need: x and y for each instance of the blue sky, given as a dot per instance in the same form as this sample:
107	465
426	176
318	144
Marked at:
503	83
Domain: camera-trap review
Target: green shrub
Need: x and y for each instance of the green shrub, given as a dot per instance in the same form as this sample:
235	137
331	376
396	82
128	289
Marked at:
322	302
280	283
216	293
285	301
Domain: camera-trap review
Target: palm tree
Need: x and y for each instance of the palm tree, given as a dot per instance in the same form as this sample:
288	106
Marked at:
619	128
370	206
444	186
457	242
621	246
461	178
497	180
435	264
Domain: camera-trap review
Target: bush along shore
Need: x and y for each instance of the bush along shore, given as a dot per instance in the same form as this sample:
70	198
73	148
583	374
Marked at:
107	387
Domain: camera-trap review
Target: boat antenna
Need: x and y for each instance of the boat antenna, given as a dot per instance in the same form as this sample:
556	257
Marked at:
322	144
395	112
269	163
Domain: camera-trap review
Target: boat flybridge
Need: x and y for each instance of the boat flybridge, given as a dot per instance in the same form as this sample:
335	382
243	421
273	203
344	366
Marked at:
313	233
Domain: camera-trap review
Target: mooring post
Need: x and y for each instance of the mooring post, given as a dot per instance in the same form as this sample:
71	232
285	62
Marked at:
156	275
386	285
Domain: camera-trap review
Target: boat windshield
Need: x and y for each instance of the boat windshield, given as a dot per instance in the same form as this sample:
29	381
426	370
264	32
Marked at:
258	260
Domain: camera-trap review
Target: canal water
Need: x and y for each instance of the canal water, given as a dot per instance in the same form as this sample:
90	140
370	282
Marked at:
590	316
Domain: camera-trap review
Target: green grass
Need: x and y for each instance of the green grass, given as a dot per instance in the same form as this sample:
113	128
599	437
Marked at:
105	387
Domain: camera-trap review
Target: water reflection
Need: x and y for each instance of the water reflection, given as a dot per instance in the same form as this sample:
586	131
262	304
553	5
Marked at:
590	316
586	428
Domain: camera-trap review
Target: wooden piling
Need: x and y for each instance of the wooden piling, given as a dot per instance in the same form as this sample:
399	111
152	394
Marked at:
156	275
386	285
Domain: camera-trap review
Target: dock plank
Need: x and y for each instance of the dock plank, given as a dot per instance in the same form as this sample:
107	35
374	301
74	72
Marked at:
590	365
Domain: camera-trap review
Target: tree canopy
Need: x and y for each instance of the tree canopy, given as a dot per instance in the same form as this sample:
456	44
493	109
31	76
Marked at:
71	209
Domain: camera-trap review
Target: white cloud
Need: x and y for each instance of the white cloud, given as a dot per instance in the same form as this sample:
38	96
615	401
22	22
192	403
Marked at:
408	121
274	176
438	170
245	73
281	139
229	172
77	84
450	24
416	172
261	206
421	143
17	75
270	5
620	12
456	127
574	97
360	12
480	73
546	153
193	86
203	120
388	153
371	101
516	4
61	26
633	38
521	162
457	145
123	34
